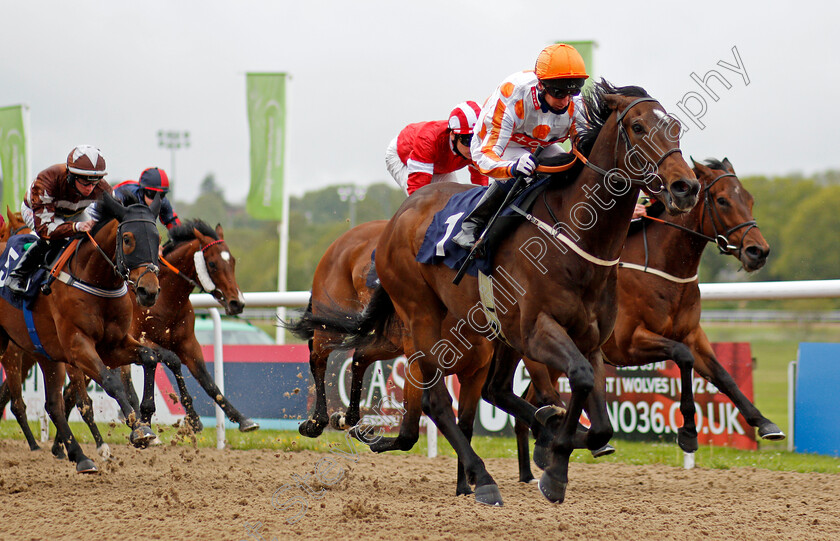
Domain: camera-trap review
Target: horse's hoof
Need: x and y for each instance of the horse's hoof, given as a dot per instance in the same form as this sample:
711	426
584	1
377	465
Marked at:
35	447
463	491
248	425
86	466
104	451
338	421
526	478
141	436
155	442
553	490
545	413
58	453
770	431
196	424
489	495
310	428
541	456
603	451
687	441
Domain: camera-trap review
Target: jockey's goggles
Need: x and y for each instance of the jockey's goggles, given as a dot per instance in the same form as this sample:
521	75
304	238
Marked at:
561	92
152	193
86	181
464	138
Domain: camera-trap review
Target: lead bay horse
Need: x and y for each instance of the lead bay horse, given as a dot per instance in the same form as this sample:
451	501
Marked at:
659	300
561	309
84	322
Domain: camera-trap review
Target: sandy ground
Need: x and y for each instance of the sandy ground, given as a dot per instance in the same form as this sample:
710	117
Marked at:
185	493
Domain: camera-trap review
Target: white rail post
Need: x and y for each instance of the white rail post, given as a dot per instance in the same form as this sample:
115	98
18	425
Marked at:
431	438
792	366
218	374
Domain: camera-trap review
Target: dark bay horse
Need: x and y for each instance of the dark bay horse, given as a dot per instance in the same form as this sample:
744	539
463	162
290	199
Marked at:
84	322
557	311
659	299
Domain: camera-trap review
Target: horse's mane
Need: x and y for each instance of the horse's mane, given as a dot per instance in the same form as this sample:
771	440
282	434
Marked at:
714	163
184	233
595	113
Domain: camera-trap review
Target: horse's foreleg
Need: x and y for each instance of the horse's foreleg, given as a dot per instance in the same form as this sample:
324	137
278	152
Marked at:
53	382
190	355
560	353
647	347
78	386
149	360
600	431
707	365
173	363
125	376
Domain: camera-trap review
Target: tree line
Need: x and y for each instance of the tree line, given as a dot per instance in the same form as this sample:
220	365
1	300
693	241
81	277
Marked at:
799	217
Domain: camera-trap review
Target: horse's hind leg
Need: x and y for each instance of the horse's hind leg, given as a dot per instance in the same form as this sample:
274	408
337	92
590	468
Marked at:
707	365
190	355
523	451
362	358
468	400
647	347
319	352
15	367
440	411
84	404
53	381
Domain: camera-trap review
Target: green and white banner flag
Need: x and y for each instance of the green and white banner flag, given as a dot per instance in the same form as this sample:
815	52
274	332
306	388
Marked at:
267	124
13	173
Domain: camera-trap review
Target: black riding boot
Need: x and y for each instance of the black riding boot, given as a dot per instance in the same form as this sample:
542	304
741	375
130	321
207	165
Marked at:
475	221
29	262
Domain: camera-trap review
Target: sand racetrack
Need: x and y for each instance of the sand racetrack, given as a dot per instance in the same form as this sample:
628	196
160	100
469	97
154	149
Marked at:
185	493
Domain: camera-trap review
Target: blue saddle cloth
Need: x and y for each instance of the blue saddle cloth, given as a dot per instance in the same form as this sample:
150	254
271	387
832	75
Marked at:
437	245
15	248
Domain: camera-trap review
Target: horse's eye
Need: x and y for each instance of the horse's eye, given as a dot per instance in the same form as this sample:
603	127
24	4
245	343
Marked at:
126	240
637	128
722	202
211	264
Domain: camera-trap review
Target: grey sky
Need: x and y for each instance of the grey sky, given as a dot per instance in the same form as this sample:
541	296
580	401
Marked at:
112	73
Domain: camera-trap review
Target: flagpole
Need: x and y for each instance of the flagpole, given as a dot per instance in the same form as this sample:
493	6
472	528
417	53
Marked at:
283	225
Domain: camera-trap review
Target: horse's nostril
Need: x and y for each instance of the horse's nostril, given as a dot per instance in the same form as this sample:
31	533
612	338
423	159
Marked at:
755	253
680	188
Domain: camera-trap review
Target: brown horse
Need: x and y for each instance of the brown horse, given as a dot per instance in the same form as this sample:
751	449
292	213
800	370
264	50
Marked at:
86	325
659	300
556	310
196	256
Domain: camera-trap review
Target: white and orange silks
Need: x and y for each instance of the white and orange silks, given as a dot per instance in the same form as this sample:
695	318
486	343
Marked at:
513	122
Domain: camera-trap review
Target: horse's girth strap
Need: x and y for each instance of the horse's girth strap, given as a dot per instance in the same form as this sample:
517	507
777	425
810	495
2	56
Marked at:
62	260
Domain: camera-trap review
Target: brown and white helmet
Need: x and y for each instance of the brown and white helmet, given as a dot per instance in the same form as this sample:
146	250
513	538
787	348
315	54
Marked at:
86	160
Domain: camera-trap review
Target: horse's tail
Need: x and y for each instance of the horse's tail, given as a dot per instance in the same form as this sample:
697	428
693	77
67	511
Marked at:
300	327
372	326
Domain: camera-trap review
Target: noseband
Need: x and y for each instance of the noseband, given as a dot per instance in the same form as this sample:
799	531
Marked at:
722	240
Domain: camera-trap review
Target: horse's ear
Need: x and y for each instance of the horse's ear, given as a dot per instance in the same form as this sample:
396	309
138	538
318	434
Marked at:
693	163
202	238
155	206
701	169
219	231
9	213
613	100
112	207
728	166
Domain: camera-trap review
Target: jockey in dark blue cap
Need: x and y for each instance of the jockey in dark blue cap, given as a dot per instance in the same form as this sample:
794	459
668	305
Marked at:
153	181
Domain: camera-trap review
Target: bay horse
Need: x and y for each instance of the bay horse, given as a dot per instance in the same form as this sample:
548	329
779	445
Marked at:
562	307
195	256
84	322
659	300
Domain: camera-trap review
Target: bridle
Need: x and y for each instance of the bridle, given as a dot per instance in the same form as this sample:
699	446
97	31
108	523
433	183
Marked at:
121	267
721	240
625	137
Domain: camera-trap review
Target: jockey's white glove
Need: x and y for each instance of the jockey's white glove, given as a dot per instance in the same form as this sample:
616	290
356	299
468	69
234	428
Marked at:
525	165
